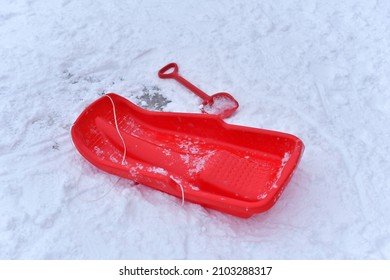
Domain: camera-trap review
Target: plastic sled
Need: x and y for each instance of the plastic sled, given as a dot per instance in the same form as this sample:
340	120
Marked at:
195	157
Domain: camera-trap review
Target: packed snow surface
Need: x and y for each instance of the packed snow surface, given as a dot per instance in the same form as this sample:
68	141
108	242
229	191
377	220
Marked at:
316	69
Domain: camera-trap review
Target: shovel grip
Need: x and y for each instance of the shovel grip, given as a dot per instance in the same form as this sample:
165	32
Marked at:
169	71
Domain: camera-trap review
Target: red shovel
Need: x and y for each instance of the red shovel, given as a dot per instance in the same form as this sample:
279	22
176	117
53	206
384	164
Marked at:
221	103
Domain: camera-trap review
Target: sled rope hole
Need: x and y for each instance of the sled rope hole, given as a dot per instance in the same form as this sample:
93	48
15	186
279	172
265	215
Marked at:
117	129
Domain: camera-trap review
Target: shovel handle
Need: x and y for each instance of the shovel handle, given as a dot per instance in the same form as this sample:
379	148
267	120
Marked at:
171	71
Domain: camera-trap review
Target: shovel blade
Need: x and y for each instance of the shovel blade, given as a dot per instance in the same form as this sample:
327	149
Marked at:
222	104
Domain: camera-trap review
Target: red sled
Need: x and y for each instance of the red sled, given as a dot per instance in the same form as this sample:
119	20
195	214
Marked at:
196	157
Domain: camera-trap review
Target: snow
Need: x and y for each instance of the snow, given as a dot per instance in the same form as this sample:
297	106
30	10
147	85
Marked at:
158	170
285	159
219	105
197	165
316	69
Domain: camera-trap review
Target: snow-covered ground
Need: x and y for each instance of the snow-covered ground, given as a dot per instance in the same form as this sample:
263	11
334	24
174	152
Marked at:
316	69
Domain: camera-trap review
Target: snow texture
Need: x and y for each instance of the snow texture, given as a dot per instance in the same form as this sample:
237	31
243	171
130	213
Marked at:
316	69
219	105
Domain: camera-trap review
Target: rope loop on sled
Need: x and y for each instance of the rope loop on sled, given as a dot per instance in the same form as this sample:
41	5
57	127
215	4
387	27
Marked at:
117	129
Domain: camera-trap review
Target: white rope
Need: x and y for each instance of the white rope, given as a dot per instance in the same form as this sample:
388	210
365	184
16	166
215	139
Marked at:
181	188
117	129
182	194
